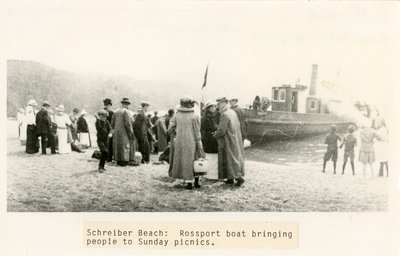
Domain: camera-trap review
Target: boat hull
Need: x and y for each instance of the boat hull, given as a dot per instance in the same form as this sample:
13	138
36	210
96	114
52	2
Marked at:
272	125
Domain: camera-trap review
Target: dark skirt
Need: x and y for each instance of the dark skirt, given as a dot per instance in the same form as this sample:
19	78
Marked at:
32	141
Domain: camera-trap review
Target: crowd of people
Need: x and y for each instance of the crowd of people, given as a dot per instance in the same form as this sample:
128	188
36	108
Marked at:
187	133
57	130
184	135
373	134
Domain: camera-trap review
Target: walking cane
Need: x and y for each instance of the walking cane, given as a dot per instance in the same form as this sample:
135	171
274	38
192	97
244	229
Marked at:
90	140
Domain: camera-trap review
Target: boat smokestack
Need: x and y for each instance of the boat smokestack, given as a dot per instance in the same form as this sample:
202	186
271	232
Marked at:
314	77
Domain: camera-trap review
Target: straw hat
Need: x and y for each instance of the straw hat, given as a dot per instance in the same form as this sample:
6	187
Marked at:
102	113
209	104
60	108
32	103
83	112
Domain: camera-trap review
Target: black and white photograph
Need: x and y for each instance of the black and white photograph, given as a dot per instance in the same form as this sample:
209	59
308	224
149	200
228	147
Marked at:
245	106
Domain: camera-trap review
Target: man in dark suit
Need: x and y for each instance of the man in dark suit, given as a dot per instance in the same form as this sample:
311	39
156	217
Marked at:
107	107
142	126
43	126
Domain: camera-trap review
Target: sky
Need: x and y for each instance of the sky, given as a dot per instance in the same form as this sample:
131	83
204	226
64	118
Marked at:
249	46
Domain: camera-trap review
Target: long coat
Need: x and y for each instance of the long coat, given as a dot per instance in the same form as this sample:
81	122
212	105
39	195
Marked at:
82	125
230	146
141	127
123	133
161	134
242	119
186	125
208	127
43	122
103	129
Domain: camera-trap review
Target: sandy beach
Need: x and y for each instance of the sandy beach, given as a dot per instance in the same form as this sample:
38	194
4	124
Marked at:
280	176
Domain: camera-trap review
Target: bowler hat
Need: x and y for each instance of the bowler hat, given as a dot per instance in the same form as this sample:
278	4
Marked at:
125	101
145	103
107	101
46	103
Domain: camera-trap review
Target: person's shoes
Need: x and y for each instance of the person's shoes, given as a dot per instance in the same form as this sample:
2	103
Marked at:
189	186
196	183
323	171
342	173
240	181
334	172
100	170
229	181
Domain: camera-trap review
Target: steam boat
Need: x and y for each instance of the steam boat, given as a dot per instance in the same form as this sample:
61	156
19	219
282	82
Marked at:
293	115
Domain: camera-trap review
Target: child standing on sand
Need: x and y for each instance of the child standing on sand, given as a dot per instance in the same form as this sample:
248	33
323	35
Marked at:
367	151
349	143
104	132
332	151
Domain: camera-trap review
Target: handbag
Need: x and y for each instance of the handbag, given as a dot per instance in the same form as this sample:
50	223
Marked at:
200	167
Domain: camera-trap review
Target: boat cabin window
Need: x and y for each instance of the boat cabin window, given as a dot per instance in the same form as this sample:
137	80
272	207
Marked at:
282	95
276	95
312	105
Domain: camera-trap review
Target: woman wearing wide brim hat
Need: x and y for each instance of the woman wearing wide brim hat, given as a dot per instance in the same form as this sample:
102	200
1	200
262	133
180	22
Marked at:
63	122
187	146
29	128
60	108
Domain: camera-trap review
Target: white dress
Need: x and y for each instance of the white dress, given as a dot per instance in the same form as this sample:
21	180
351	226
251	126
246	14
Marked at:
382	145
28	119
84	139
62	120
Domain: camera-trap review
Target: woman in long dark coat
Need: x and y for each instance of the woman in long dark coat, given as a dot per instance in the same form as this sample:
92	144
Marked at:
209	126
32	142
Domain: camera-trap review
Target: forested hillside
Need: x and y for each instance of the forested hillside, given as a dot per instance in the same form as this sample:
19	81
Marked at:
32	80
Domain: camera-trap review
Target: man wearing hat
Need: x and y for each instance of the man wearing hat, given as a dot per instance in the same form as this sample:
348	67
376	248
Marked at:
43	128
107	107
230	145
142	126
123	133
233	101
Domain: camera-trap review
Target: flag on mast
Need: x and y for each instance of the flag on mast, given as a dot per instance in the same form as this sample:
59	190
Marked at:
205	78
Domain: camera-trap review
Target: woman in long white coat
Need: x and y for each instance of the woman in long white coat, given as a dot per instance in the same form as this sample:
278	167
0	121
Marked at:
63	121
